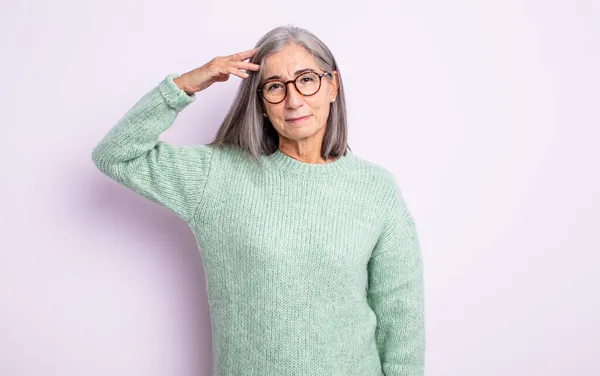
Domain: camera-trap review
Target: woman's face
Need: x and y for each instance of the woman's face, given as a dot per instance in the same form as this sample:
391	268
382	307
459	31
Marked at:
285	64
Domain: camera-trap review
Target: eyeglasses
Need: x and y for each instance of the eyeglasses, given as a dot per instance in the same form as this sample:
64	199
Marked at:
307	84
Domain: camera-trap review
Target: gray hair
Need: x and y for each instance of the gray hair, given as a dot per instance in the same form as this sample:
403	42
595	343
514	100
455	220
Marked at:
246	128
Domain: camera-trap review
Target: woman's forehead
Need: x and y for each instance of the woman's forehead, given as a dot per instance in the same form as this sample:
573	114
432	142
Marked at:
288	63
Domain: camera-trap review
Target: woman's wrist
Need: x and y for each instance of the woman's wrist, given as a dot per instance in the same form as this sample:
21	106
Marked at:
182	85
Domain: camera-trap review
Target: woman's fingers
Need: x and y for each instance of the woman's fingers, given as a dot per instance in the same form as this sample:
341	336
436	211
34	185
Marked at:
218	70
247	66
234	64
244	55
237	63
237	72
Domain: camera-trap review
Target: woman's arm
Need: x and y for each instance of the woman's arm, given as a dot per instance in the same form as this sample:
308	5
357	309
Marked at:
395	292
131	154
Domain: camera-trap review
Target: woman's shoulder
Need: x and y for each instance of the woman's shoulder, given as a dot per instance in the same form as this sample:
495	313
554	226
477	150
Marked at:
221	152
374	170
232	158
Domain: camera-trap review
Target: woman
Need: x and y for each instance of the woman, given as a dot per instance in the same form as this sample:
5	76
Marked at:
311	256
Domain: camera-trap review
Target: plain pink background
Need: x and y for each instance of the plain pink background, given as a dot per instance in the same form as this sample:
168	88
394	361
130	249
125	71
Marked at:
487	113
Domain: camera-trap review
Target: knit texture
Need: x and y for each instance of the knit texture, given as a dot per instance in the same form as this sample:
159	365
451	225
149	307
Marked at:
311	269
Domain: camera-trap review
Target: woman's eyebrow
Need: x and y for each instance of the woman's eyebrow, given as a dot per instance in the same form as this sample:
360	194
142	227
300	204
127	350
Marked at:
296	73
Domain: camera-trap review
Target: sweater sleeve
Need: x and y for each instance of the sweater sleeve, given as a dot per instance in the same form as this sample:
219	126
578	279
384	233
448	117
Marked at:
395	292
131	154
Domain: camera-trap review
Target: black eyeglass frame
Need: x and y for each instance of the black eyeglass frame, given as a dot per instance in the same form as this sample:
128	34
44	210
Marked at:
285	85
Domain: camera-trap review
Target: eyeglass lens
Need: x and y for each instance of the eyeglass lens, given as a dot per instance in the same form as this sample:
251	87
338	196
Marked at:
307	84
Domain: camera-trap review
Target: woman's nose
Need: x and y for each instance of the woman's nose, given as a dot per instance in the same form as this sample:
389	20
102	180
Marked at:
293	97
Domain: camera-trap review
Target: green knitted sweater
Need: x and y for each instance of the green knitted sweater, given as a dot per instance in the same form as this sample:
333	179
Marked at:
311	269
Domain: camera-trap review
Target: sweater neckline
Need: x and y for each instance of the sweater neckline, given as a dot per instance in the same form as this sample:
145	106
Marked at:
288	164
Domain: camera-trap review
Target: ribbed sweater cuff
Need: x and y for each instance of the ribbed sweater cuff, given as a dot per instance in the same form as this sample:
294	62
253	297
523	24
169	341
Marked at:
175	97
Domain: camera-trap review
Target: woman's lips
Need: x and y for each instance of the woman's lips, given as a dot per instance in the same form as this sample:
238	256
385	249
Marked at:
298	120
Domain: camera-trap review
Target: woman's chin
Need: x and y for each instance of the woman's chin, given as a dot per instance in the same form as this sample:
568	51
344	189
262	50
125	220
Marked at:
302	132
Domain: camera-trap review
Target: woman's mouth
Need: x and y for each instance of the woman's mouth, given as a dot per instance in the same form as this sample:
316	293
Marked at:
298	120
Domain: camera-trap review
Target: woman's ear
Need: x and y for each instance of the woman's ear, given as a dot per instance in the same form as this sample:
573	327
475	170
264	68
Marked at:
334	85
262	108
